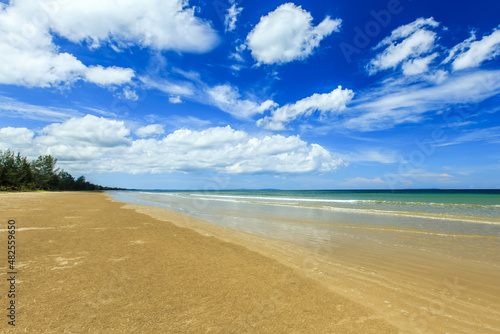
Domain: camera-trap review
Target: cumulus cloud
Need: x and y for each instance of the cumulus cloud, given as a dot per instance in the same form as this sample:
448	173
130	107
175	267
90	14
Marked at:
15	137
92	144
406	45
30	57
334	101
158	24
287	34
88	130
37	68
478	51
33	60
150	130
210	138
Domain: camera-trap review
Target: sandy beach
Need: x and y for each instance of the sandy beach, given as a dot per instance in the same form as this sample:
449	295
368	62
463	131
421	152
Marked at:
88	264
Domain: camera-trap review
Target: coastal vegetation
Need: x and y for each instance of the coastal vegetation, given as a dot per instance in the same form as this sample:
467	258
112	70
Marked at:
17	173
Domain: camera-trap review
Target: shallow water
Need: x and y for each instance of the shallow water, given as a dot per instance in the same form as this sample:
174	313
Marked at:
459	224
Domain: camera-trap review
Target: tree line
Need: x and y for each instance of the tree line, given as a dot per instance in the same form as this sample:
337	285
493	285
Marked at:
17	173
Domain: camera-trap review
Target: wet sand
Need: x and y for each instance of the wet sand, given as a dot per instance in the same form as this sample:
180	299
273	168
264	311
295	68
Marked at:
87	264
418	282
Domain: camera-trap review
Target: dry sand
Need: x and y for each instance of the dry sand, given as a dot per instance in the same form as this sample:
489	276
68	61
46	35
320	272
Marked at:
86	265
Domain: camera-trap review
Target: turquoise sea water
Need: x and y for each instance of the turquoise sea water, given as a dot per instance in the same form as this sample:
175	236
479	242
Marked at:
479	206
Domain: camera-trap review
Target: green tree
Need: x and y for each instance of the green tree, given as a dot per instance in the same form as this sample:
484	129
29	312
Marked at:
7	170
25	174
66	181
44	170
80	183
17	173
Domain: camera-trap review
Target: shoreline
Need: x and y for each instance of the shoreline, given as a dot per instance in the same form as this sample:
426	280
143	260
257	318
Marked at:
415	289
234	281
89	264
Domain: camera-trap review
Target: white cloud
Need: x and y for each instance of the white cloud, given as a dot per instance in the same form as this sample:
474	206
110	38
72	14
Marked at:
236	68
362	180
460	47
230	151
12	108
491	134
416	42
75	142
371	155
334	101
88	130
393	105
424	84
29	56
210	138
414	46
236	56
228	99
37	68
407	30
411	45
286	34
92	144
108	76
231	17
130	94
158	24
175	99
36	61
419	65
15	137
417	175
478	51
177	122
422	174
182	88
150	130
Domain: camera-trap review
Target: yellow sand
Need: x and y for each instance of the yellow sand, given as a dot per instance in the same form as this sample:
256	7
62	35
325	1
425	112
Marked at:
86	265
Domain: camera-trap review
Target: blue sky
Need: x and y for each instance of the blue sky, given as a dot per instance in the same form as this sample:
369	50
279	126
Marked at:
255	94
